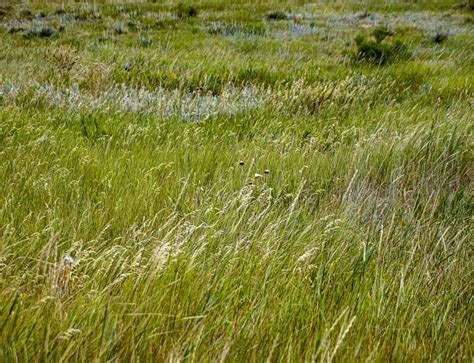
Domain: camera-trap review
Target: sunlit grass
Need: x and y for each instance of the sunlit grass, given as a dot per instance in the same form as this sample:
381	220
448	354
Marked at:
230	186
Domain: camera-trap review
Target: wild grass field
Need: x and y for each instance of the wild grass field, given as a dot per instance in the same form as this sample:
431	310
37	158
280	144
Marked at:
236	181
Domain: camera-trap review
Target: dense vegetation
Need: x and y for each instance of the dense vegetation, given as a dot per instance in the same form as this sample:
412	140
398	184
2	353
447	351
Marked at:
236	180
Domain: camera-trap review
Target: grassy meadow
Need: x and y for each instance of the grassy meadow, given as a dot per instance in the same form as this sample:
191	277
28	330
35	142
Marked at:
236	181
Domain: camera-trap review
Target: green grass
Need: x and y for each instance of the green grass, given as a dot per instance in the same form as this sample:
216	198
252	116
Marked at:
129	231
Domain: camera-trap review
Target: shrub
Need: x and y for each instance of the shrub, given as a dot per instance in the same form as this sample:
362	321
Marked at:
43	31
377	49
276	16
186	11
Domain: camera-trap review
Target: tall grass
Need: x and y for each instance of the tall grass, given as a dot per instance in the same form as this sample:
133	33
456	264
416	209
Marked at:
274	202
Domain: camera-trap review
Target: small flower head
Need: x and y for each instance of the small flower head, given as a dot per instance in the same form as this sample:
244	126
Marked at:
267	171
241	163
257	175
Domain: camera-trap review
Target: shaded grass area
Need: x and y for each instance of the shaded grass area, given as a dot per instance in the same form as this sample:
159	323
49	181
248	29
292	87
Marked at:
228	184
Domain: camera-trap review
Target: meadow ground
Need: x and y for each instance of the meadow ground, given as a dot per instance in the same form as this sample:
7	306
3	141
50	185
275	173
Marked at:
130	231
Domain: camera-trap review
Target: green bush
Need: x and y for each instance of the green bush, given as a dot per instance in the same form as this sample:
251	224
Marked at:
377	49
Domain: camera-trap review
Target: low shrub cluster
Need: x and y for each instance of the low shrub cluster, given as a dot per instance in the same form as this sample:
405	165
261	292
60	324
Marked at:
379	47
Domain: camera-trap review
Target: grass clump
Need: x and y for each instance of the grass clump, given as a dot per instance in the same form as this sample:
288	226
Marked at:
186	11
